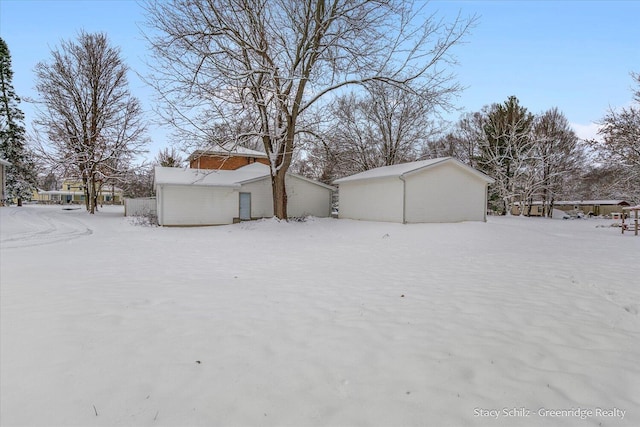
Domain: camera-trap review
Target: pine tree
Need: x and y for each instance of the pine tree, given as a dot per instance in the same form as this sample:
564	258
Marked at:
505	151
21	176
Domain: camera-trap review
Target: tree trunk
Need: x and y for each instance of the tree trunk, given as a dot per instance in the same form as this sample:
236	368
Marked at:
279	194
92	192
506	206
87	195
19	201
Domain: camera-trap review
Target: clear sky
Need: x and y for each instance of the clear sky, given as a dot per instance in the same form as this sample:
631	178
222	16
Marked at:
574	55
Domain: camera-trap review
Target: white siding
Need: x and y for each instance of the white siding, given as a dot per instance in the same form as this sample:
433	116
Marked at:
445	193
372	199
305	198
261	198
192	205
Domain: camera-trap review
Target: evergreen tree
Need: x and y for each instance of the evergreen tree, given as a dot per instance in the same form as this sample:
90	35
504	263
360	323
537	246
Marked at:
505	151
21	176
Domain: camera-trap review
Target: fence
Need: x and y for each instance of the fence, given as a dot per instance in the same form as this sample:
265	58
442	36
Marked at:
140	207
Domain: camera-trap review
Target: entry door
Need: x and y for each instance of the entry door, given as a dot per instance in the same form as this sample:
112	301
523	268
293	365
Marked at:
245	206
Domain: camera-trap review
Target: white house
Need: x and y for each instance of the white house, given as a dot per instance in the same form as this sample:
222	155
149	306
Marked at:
3	180
211	197
436	190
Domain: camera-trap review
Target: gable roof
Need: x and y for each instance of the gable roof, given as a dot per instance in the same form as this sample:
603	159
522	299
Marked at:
219	178
404	169
207	177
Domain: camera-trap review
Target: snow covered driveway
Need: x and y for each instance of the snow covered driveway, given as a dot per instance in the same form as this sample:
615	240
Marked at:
37	225
514	322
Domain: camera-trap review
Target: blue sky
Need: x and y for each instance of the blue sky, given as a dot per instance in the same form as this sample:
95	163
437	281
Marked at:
574	55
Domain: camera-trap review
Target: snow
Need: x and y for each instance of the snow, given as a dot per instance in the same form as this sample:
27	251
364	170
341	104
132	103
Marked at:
319	323
230	150
219	178
402	169
208	177
391	171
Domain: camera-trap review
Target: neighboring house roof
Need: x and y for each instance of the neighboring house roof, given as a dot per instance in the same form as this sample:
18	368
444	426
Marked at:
236	150
403	169
72	192
591	202
4	162
581	202
218	178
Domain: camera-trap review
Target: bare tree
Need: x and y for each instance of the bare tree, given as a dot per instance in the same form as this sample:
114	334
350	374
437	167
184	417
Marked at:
558	155
619	145
139	181
385	126
462	142
93	124
275	60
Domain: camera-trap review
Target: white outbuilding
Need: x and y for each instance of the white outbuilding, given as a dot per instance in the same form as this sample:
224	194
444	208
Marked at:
187	197
435	190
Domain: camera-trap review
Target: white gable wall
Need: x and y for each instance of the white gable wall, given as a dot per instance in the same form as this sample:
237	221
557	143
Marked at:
196	205
377	199
444	193
304	198
261	197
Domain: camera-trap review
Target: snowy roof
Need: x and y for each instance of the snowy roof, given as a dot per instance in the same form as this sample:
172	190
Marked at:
404	169
210	177
235	150
219	178
4	162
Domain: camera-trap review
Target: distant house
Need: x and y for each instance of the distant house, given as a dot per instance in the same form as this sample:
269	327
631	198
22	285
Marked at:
187	197
221	158
436	190
586	207
72	191
3	179
593	207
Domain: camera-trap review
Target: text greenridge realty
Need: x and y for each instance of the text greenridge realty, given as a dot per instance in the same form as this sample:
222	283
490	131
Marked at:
522	412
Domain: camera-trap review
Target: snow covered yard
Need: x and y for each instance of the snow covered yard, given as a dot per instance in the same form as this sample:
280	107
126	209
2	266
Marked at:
322	323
